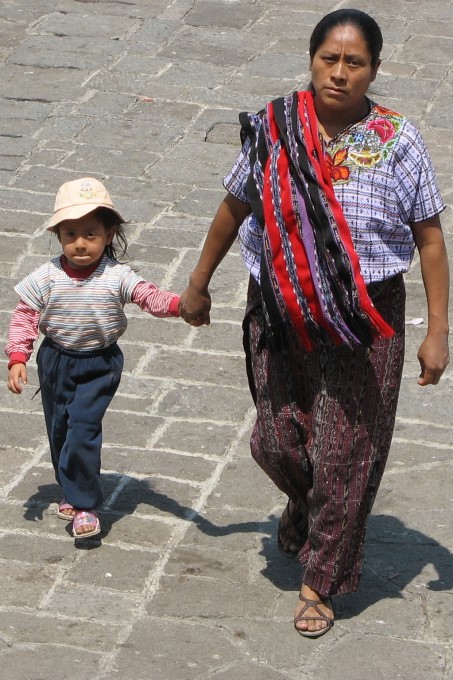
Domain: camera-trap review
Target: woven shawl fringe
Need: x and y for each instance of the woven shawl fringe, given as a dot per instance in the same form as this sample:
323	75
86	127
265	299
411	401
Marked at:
311	281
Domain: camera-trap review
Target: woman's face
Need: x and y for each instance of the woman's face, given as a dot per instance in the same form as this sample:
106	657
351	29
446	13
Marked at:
341	70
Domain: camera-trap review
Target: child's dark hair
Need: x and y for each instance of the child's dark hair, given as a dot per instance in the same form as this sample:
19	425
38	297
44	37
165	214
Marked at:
349	17
117	249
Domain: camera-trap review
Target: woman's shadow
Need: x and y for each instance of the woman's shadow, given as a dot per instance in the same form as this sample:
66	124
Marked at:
394	554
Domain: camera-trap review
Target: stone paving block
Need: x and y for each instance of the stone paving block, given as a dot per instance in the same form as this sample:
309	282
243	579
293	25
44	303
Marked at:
192	436
21	222
199	401
114	568
181	77
24	437
93	159
47	85
410	454
207	175
150	330
136	530
36	628
133	355
40	662
201	203
163	255
389	658
37	551
25	584
74	24
218	48
244	485
135	430
174	232
25	201
156	496
93	603
225	284
228	566
237	530
128	132
154	32
222	337
257	637
163	463
195	367
207	149
191	597
178	653
219	14
254	671
431	28
137	85
133	403
37	54
136	387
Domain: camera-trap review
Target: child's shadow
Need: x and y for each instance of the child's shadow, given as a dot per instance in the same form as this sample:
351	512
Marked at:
394	554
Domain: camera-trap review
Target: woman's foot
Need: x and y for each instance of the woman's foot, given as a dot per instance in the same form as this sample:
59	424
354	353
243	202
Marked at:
314	616
292	529
85	524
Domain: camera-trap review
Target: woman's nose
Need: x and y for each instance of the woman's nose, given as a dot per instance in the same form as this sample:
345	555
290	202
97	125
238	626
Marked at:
339	71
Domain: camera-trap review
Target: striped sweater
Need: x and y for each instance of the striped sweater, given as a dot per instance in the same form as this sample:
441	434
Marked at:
78	311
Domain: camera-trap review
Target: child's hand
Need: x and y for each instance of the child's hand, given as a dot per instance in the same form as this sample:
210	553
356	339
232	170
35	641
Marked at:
17	377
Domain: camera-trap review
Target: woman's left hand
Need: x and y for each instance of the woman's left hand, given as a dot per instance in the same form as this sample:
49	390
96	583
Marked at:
434	358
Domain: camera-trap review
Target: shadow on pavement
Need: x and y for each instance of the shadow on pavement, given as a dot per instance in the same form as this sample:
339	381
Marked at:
394	553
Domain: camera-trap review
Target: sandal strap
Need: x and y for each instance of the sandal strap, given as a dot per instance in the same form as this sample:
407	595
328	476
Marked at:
314	605
84	518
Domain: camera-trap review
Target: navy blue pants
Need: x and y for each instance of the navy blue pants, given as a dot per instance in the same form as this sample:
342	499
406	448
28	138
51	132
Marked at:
76	390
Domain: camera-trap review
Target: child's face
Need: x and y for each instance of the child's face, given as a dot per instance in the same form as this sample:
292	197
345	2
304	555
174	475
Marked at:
83	240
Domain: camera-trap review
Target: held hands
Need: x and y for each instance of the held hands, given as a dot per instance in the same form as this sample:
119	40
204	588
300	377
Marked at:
17	378
195	305
434	358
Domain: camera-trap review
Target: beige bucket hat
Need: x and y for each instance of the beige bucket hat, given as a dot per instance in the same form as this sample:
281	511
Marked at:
79	197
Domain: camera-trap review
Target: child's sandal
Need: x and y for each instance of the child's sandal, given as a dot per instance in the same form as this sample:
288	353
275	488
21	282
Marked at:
62	506
86	518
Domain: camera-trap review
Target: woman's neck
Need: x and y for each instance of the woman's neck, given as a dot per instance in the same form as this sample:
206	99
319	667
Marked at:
331	123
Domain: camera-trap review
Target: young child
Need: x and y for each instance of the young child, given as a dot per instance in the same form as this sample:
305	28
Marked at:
76	300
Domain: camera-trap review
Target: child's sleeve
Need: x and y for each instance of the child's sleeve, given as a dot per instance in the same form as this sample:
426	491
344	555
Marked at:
23	333
154	300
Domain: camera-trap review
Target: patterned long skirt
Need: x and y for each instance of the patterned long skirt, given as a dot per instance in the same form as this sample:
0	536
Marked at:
323	432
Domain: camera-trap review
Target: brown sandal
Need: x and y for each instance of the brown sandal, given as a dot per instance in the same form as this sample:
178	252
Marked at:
321	617
297	522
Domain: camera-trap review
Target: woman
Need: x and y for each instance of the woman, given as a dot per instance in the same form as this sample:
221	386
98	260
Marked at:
330	194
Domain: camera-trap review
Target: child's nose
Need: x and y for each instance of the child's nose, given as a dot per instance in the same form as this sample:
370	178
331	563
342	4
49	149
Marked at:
80	243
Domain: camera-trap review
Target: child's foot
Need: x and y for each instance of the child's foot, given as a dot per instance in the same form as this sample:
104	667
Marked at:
85	524
65	510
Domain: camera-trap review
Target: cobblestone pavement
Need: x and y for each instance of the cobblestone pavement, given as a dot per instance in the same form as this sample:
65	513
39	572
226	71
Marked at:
186	582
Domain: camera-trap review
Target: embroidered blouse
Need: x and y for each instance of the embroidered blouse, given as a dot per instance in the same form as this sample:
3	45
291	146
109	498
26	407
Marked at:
384	179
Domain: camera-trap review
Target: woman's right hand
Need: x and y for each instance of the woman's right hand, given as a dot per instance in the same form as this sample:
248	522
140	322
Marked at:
195	305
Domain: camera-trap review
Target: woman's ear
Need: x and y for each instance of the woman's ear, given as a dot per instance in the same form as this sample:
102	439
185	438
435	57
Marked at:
374	74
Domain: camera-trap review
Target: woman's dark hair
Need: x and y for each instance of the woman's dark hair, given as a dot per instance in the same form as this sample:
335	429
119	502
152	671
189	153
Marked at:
349	17
117	249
